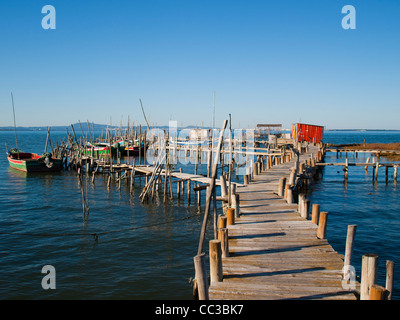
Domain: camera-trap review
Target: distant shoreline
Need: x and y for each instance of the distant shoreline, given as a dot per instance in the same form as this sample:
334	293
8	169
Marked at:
98	127
361	130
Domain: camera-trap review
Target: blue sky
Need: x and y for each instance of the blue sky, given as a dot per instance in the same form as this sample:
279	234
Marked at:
268	62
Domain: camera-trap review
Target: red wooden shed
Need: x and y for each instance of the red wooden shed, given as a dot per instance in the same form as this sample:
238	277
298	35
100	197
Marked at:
307	132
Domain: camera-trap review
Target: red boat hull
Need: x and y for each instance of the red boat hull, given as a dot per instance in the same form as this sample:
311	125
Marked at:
32	162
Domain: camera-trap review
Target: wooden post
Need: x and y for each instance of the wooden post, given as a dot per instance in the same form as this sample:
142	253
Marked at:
389	278
395	173
250	171
234	201
351	232
292	177
198	199
289	195
182	183
237	208
222	222
230	215
301	199
223	186
223	237
157	183
323	219
215	214
305	209
376	171
386	174
209	160
286	189
178	189
315	213
366	167
368	274
281	187
165	184
132	177
255	169
170	184
377	292
201	276
215	253
188	191
140	146
109	181
221	157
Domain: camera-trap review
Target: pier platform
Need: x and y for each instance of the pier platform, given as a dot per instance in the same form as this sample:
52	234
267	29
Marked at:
274	253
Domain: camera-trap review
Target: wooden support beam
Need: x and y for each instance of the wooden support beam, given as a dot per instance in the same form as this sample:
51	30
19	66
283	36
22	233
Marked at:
368	274
201	283
230	215
378	292
323	220
215	253
389	278
224	238
351	232
315	213
212	184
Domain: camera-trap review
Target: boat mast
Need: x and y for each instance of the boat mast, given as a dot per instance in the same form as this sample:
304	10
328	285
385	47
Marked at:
15	126
47	139
214	110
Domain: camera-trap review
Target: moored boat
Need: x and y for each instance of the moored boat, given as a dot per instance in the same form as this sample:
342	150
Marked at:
132	148
98	149
32	162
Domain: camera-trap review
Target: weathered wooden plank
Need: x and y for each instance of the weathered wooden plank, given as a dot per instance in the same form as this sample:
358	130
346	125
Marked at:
282	291
274	253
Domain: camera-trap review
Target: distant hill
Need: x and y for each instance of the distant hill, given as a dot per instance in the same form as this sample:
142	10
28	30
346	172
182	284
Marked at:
77	127
97	127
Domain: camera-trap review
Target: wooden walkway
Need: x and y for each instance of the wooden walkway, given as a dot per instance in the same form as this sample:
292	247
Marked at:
149	170
274	253
181	176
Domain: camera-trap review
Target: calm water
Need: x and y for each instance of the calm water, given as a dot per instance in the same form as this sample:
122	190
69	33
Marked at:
374	208
41	224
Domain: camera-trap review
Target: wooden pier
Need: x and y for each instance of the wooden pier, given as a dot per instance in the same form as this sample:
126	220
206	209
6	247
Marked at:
265	245
274	252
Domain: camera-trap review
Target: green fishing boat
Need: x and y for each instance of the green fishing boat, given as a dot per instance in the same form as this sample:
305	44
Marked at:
32	162
99	149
